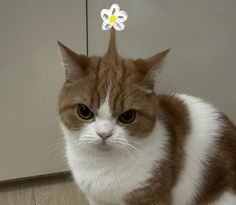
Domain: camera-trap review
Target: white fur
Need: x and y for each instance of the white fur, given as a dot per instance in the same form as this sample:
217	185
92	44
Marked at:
199	147
109	176
104	122
105	177
227	198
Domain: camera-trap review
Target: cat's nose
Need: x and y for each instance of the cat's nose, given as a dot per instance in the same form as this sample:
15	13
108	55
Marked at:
104	135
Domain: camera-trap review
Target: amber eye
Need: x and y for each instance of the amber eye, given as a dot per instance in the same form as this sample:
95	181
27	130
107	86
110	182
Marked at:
127	117
84	112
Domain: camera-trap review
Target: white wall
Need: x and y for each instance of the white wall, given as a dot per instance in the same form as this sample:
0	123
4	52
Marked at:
30	79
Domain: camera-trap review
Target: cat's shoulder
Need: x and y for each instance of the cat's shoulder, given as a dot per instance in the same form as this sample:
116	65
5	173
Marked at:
191	105
189	112
182	99
198	114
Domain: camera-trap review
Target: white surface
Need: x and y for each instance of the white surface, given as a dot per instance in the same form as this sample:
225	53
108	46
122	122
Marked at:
30	79
200	33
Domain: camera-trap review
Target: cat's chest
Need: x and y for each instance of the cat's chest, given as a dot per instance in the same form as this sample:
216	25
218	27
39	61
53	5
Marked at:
111	181
104	183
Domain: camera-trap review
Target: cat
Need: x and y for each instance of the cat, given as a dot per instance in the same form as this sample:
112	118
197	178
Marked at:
127	145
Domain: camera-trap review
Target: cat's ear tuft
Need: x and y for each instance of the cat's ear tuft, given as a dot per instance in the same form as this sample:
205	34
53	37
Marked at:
149	68
155	62
75	65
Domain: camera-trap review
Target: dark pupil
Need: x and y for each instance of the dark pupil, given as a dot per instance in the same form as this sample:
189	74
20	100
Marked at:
127	115
84	111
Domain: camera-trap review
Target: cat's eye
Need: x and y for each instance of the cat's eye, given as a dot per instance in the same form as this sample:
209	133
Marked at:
84	112
128	116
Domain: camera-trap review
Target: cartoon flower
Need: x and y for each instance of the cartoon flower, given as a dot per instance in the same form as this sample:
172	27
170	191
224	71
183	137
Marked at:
113	17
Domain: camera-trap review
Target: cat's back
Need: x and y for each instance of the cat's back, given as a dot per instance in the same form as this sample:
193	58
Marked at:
208	169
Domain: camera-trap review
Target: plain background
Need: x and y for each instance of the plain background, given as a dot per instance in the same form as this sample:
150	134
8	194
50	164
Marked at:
30	79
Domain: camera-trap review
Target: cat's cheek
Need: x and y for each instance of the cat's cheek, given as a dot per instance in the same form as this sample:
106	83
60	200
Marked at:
140	128
71	121
88	132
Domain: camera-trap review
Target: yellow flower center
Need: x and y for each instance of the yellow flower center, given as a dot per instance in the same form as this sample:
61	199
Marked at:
112	19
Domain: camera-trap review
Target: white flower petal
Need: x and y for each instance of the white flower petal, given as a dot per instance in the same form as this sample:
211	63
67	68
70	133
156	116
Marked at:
119	26
105	14
122	16
106	25
114	9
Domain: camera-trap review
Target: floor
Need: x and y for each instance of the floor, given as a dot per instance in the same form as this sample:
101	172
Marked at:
56	190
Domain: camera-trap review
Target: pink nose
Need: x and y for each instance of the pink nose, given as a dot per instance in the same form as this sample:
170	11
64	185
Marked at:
104	135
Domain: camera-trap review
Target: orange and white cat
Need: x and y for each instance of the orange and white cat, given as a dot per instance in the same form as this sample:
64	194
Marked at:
126	145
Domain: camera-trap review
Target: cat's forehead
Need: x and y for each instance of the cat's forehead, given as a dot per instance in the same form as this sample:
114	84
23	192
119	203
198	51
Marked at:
109	82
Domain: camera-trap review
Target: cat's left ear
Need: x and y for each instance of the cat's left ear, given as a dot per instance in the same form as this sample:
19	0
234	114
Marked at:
149	68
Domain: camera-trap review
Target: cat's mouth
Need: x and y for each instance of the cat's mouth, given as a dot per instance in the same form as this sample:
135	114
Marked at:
103	146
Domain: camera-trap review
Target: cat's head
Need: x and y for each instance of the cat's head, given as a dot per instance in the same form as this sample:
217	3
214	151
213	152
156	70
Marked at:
107	102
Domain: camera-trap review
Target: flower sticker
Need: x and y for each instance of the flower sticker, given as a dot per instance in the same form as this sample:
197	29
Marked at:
113	17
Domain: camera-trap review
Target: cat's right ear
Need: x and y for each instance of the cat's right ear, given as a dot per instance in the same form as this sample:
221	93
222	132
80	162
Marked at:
75	65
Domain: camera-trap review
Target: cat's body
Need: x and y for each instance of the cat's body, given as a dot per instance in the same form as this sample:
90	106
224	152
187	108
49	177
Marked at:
183	175
165	150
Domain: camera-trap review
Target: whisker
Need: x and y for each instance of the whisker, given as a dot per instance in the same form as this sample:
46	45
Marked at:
127	150
56	146
136	150
53	120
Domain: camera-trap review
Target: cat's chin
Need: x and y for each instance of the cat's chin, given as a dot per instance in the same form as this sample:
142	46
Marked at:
103	146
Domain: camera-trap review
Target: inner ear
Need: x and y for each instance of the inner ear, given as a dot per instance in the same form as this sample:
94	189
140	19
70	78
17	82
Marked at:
75	65
149	67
